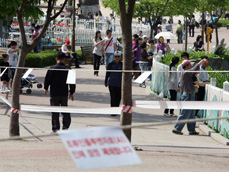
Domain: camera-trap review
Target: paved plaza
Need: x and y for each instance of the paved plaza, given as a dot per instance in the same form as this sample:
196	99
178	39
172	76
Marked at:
162	150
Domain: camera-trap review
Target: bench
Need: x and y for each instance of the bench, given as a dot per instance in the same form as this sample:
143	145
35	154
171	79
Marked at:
87	54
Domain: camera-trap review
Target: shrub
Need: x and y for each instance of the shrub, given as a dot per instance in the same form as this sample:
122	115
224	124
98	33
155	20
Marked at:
223	23
43	59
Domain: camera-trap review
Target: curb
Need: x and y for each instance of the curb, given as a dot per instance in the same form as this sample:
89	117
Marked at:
213	134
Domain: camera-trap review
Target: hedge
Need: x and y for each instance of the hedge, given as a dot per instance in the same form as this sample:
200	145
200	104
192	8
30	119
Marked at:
43	59
223	23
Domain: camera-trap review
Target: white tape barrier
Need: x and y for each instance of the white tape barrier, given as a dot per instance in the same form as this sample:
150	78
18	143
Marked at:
143	77
27	73
5	100
129	71
100	147
3	72
103	111
71	79
202	105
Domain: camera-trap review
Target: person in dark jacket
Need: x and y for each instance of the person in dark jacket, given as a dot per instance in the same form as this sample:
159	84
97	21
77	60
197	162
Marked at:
113	80
59	90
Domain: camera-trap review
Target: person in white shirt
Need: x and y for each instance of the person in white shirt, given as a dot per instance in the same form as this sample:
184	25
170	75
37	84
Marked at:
203	77
64	49
12	52
109	47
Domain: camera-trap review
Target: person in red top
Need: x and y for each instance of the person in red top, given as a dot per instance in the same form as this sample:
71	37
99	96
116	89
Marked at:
35	34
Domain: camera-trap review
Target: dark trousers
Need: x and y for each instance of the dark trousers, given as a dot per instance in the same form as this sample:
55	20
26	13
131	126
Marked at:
201	94
191	30
173	95
210	38
115	94
60	101
75	56
96	62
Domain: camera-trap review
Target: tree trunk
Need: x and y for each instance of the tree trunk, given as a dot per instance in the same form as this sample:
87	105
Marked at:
186	34
126	15
14	118
203	25
74	26
216	34
126	118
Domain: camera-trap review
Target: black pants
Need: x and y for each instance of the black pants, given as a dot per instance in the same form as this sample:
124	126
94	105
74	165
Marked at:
210	38
96	62
115	94
173	95
191	30
201	94
75	56
60	101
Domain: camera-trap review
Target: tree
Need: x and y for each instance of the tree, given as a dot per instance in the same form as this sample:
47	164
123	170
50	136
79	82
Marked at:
152	10
126	15
25	8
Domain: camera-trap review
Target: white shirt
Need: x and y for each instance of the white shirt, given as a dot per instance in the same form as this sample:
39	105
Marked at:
12	58
64	49
203	76
110	47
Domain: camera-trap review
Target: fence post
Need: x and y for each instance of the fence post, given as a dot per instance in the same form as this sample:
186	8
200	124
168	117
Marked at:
213	82
226	86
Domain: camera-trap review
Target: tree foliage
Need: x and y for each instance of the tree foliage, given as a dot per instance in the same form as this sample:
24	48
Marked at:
8	8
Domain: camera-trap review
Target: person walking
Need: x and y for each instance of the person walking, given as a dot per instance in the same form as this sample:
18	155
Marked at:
169	28
179	32
109	47
35	34
12	52
144	61
192	26
188	94
98	51
113	80
172	85
59	90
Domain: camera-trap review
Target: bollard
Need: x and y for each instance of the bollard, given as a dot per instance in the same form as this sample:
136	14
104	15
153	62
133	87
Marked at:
213	82
173	51
213	49
160	53
226	86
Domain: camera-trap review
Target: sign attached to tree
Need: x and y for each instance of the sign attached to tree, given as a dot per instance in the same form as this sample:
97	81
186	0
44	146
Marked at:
99	147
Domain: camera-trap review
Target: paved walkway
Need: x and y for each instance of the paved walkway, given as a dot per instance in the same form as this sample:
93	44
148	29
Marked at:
163	151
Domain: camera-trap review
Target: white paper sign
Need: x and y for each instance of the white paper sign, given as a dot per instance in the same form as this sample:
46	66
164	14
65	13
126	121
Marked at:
27	73
100	147
143	77
71	77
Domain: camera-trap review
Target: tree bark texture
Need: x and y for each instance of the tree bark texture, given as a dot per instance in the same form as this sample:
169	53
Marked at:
74	25
186	34
14	129
126	14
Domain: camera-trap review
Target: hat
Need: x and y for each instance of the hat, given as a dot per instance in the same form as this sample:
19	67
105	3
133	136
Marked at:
117	54
186	63
68	42
145	36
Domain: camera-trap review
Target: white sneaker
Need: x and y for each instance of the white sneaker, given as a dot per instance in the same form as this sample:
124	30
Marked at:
8	90
172	115
166	114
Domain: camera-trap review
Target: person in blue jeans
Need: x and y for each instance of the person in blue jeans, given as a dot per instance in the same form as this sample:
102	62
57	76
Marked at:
186	83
